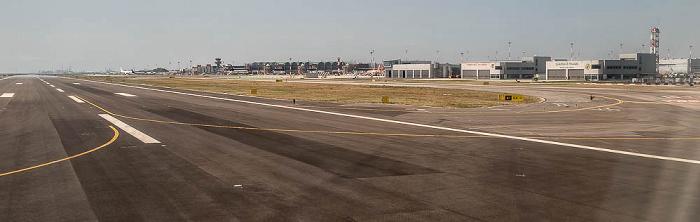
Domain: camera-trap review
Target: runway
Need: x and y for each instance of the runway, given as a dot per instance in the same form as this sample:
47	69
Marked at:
80	150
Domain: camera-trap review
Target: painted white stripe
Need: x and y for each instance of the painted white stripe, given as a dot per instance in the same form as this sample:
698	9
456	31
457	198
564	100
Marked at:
76	83
76	99
52	86
125	94
19	83
131	130
7	95
426	126
60	90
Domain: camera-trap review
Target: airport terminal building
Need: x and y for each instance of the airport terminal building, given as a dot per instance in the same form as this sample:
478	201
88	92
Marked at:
629	66
418	69
526	68
671	67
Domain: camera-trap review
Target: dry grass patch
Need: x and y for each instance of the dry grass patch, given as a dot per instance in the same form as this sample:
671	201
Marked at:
433	97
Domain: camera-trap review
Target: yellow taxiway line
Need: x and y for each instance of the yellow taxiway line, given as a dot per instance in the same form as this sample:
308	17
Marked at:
116	135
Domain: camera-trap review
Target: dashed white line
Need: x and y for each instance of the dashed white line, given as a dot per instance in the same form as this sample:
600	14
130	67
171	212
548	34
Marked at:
52	86
76	99
19	83
125	94
131	130
76	83
425	126
60	90
7	95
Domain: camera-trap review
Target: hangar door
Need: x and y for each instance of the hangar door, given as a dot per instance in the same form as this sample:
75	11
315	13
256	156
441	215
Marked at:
556	74
484	74
469	74
576	74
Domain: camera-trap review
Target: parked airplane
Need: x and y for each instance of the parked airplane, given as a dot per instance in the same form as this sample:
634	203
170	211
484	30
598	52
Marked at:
126	72
374	72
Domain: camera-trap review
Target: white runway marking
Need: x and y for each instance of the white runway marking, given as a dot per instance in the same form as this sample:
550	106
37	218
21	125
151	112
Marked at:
60	90
131	130
19	83
76	83
76	99
7	95
52	86
426	126
125	94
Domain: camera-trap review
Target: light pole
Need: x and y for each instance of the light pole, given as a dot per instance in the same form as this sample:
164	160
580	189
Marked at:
371	53
620	51
438	57
690	61
509	51
467	56
406	59
572	52
462	58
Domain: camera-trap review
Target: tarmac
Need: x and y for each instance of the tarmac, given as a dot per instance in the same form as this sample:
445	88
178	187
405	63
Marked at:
81	150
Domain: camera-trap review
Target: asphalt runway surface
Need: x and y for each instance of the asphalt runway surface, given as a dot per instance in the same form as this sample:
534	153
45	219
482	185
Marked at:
79	150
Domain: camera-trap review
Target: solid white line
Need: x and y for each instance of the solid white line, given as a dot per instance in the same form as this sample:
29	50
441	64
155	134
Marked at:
76	99
60	90
7	95
125	94
427	126
131	130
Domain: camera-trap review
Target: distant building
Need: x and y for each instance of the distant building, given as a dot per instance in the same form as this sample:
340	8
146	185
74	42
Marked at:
398	68
206	69
672	67
294	67
525	68
629	66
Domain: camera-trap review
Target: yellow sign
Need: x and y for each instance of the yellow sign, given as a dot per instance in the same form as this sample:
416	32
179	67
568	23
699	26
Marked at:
511	97
588	66
254	91
385	99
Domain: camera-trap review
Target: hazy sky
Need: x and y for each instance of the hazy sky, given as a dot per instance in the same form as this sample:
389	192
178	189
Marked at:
95	35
